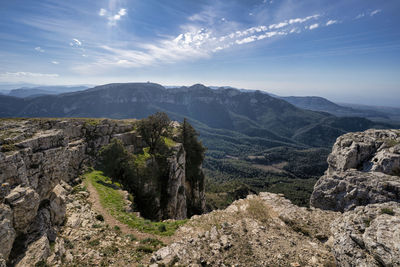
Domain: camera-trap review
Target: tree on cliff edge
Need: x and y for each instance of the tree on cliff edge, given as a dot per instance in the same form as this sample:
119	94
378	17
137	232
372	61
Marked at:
113	159
194	158
153	128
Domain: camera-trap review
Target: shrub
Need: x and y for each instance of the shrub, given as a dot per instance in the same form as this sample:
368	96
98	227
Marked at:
100	217
145	249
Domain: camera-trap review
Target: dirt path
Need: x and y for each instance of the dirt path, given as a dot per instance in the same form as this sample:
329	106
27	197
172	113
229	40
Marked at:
110	220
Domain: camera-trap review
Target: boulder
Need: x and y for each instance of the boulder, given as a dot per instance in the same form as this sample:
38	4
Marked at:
24	202
344	191
58	204
36	253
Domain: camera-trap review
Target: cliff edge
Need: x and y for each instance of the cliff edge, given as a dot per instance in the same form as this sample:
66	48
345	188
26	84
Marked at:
40	156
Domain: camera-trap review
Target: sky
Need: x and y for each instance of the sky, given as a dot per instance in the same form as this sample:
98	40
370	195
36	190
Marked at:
345	50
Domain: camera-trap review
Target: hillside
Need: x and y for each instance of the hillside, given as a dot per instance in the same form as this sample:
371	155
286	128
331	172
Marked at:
238	128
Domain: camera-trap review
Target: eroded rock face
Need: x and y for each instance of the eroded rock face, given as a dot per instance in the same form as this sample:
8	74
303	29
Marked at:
24	202
368	236
37	155
363	182
363	169
7	232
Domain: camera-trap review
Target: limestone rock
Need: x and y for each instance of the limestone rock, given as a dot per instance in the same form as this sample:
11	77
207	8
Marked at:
346	190
7	232
368	236
364	168
38	251
57	204
256	231
24	202
376	150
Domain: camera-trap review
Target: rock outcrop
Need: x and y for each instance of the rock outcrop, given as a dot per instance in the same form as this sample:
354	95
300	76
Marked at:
38	155
363	169
262	230
363	182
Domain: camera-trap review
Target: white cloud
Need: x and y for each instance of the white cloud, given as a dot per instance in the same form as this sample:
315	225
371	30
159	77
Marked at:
246	40
301	20
75	42
39	49
359	16
314	26
102	12
55	62
278	25
331	22
23	74
375	12
112	18
195	42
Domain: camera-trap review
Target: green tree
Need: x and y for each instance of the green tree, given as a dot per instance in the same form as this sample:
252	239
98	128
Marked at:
153	128
112	160
194	158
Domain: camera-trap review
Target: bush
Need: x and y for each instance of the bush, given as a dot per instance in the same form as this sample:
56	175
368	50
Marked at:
100	217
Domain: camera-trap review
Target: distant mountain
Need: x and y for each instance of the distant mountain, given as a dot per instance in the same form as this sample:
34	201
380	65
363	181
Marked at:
44	90
322	104
239	128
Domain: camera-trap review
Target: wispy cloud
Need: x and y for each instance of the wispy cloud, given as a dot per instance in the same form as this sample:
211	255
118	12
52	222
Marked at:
23	74
373	13
359	16
331	22
75	42
197	42
55	62
39	49
112	17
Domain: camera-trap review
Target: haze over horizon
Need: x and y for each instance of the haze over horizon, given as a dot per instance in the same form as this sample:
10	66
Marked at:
346	51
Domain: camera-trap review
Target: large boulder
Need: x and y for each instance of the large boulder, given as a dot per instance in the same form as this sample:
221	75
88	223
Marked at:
344	191
364	168
24	202
58	204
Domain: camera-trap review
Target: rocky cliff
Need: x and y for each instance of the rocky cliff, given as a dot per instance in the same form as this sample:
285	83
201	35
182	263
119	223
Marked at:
38	156
354	219
363	169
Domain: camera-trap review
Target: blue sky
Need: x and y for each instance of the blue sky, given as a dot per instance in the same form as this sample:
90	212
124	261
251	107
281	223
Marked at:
346	50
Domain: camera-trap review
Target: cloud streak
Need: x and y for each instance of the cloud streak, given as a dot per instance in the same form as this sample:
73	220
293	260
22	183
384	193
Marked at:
198	42
22	74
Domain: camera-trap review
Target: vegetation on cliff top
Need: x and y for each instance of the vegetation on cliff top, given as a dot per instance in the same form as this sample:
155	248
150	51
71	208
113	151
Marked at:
112	200
146	175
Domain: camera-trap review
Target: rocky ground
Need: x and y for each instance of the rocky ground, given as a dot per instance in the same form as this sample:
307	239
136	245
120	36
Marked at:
89	238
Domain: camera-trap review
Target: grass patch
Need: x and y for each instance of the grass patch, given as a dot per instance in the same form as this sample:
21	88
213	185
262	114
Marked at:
387	211
258	210
114	203
169	142
140	159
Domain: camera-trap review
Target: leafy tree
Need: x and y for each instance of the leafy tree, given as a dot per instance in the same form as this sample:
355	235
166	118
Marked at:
153	128
112	160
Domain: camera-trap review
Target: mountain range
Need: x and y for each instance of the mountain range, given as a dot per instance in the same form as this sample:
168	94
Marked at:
265	142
